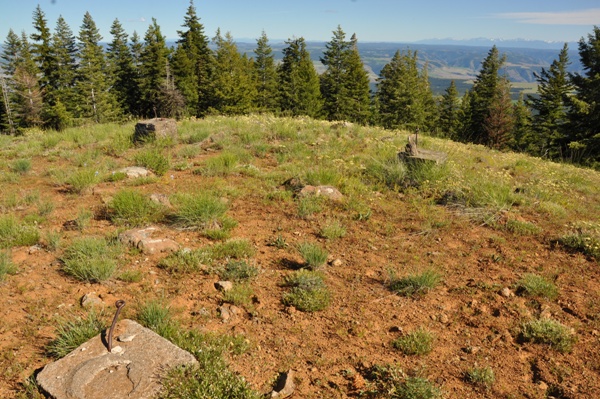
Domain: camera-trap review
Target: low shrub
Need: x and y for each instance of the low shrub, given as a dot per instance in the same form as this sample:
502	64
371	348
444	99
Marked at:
237	270
308	291
418	342
314	256
482	376
549	332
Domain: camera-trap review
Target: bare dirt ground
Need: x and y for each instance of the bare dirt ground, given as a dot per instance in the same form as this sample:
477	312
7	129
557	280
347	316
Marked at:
474	324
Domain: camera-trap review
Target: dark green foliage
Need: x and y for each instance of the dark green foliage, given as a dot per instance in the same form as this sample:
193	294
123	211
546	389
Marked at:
233	88
550	109
583	140
192	64
299	92
65	76
449	106
265	74
404	98
153	68
124	71
42	50
345	84
487	109
96	103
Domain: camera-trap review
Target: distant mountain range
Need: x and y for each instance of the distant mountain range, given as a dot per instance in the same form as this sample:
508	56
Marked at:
507	43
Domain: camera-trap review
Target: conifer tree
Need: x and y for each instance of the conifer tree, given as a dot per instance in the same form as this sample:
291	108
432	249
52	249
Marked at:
403	94
583	142
484	92
449	108
357	86
193	64
42	50
125	80
64	77
522	125
96	101
265	75
499	122
153	67
333	88
345	83
11	52
550	109
233	89
299	91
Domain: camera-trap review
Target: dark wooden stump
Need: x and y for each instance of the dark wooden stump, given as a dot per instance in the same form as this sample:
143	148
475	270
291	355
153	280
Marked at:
413	154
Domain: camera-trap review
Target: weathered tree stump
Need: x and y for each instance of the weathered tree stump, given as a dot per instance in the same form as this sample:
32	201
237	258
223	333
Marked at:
152	129
413	154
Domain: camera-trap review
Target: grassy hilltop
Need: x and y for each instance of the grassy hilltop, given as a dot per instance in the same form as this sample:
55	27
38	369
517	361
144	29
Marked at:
475	278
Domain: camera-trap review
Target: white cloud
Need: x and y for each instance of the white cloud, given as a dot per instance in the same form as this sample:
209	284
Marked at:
576	17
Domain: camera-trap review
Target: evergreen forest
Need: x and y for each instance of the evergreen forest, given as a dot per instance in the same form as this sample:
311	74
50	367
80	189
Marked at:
54	79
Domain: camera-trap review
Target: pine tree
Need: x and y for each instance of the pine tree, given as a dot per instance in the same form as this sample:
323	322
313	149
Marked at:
404	97
64	49
299	91
333	88
153	70
550	109
266	75
483	94
43	51
193	64
96	101
449	108
499	122
522	125
357	86
126	84
233	89
583	142
21	92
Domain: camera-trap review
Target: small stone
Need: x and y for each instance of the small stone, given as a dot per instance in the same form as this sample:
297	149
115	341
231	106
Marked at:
507	292
161	199
396	329
91	299
472	349
336	262
225	313
542	386
126	338
116	349
224	285
285	385
442	318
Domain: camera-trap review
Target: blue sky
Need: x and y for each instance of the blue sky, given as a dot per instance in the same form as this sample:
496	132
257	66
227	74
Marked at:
371	20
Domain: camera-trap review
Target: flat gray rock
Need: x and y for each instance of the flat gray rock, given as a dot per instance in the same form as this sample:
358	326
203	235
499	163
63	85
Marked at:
133	369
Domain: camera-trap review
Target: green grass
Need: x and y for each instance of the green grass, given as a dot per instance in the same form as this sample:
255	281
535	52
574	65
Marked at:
388	381
482	376
583	237
220	165
132	208
522	228
239	295
21	166
6	265
549	332
237	248
536	286
90	259
333	230
418	342
314	256
415	285
82	180
83	219
237	270
186	261
72	333
158	317
198	211
309	205
14	233
308	291
154	160
131	276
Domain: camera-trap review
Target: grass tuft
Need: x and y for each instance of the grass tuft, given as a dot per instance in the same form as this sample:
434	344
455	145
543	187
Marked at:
154	160
308	291
418	342
549	332
388	381
13	233
482	376
157	316
6	265
333	230
198	211
314	256
237	270
132	208
536	286
21	166
90	259
71	334
185	261
415	284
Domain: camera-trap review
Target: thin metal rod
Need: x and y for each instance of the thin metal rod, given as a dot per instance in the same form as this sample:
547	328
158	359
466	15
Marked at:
119	304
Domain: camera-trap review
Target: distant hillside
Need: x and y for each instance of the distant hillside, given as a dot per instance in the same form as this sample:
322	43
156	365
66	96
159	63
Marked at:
445	61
